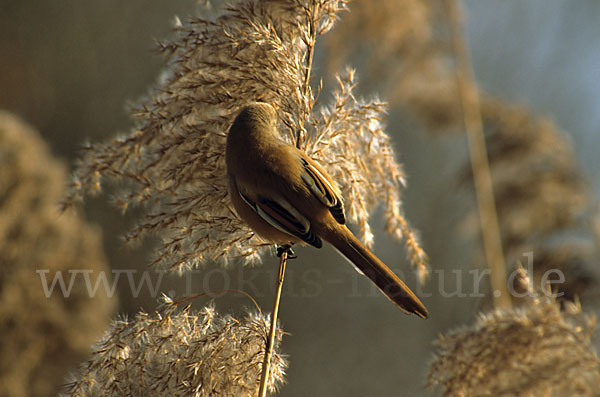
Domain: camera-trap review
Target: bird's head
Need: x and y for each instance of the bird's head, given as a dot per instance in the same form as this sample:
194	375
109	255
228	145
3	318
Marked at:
256	118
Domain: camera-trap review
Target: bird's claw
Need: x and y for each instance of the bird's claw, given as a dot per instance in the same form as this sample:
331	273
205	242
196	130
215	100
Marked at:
287	249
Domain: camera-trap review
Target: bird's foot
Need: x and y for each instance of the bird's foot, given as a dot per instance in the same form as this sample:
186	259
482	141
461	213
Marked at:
286	248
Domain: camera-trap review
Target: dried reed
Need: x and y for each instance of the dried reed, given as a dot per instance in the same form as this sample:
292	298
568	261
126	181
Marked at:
173	165
174	160
536	349
44	332
174	352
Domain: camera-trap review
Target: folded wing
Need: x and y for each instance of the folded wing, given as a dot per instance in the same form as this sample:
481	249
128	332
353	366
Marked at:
280	214
320	185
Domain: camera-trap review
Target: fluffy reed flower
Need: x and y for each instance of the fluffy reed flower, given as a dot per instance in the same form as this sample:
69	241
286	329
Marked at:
254	50
43	336
542	199
176	352
534	350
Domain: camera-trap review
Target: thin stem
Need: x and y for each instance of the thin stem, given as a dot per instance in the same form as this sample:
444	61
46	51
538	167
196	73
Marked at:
469	97
271	341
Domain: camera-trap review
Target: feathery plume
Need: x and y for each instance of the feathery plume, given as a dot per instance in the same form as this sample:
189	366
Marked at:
533	350
174	161
177	352
46	310
544	205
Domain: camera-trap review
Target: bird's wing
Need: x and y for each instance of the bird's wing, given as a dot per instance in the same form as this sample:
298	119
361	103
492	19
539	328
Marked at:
280	214
323	188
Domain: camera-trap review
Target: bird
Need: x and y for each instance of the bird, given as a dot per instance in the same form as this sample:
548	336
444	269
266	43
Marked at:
287	198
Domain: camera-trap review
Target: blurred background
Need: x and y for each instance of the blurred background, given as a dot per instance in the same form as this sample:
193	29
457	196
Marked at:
69	69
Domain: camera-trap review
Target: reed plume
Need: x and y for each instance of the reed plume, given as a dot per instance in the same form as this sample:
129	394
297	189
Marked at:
45	331
174	161
544	203
178	352
536	349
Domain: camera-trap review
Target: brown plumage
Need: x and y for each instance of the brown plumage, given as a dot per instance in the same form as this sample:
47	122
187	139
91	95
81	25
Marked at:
287	198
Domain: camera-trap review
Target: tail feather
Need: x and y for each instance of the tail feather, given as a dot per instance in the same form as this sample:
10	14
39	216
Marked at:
368	264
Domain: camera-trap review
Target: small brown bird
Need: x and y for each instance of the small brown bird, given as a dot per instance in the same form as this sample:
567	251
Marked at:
287	198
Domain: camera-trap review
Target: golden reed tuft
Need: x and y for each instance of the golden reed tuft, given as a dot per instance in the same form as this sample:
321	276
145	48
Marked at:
536	349
174	160
177	352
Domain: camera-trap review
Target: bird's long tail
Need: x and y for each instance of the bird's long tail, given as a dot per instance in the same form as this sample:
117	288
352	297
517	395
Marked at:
368	264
